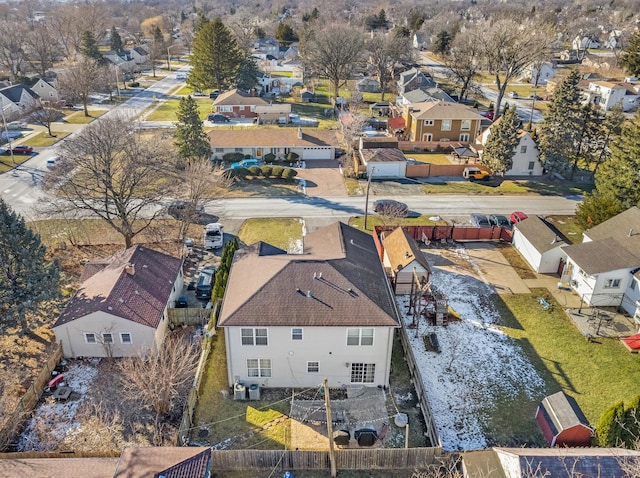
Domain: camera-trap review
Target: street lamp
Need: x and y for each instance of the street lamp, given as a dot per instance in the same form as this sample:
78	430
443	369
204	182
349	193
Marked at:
169	56
366	200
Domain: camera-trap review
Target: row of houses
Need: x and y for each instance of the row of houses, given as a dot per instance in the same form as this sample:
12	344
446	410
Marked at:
17	100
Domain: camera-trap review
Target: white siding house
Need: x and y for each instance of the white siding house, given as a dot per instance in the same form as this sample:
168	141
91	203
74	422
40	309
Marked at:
526	158
292	319
539	243
603	269
121	306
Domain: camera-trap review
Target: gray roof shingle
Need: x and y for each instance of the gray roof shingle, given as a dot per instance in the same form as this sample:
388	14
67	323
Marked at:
542	235
601	256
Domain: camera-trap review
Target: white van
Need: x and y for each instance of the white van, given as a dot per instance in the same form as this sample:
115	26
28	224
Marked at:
213	236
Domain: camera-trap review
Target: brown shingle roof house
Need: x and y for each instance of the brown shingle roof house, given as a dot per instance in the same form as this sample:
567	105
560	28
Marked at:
402	257
290	319
120	307
237	104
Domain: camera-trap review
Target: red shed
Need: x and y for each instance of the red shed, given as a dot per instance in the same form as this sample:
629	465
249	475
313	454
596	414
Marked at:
562	422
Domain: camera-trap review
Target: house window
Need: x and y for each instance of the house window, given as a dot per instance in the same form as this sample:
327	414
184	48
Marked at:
465	125
612	283
125	338
363	372
523	149
464	137
446	125
239	150
427	137
531	165
583	273
359	336
428	122
225	109
258	367
90	338
219	150
296	334
633	285
313	367
107	338
254	337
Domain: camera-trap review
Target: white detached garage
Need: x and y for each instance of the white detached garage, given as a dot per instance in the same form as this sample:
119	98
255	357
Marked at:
540	244
384	162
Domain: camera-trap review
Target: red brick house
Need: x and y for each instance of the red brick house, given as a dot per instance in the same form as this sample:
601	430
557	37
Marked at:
237	104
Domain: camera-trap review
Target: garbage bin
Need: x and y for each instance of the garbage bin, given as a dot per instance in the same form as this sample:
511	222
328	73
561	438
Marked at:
254	392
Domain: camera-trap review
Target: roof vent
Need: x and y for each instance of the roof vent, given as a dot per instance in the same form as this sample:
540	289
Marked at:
407	255
144	266
630	232
121	300
309	294
315	276
319	275
130	268
109	308
299	133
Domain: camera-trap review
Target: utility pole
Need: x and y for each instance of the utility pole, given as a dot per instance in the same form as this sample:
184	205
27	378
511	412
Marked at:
327	406
6	132
366	200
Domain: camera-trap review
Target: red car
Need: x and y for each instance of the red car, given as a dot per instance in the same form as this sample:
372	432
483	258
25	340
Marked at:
22	150
517	217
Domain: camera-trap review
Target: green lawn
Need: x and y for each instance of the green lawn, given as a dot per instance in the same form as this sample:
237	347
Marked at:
498	187
79	118
166	111
43	139
6	164
285	233
597	374
433	158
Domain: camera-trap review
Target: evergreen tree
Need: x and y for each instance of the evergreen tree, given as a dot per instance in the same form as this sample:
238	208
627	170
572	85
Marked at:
89	47
619	176
285	34
561	126
503	139
608	427
115	41
216	58
192	142
247	77
443	43
596	208
630	423
630	58
382	19
28	282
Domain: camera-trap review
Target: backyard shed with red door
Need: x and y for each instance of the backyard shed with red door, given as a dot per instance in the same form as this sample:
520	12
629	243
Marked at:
562	422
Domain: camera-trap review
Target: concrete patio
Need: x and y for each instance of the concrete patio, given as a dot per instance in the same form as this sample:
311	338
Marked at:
599	322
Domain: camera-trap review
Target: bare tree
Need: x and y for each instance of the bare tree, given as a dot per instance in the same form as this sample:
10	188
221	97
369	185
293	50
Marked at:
50	112
71	20
333	52
463	59
13	34
509	46
112	172
384	52
153	379
81	79
41	47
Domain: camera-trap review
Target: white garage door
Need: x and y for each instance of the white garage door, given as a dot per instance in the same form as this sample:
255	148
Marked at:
387	170
316	153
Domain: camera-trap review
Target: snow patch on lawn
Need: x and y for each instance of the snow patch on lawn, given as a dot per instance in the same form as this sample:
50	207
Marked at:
477	363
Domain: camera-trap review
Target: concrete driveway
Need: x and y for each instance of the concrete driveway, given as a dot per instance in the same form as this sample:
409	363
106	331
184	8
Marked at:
493	268
323	178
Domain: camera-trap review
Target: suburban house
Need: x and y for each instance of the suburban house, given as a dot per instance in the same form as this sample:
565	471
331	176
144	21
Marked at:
274	113
551	462
606	95
423	95
307	143
603	269
562	422
237	104
45	90
414	79
585	42
539	73
402	258
441	121
540	244
291	320
123	59
368	85
265	47
418	41
120	309
17	100
140	54
526	158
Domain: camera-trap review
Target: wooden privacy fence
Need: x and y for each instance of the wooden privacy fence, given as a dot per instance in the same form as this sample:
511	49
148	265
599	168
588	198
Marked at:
189	316
13	421
362	459
455	233
423	401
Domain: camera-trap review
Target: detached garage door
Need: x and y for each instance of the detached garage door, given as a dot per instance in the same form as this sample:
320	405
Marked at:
317	153
387	170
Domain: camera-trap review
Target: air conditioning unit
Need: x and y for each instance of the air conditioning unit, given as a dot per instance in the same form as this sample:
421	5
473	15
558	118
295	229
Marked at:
573	283
638	304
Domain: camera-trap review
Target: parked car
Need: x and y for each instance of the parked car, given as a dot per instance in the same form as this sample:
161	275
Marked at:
214	94
181	76
479	220
488	114
52	161
16	125
205	283
389	207
218	118
513	94
473	174
535	97
21	149
499	220
185	210
517	216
